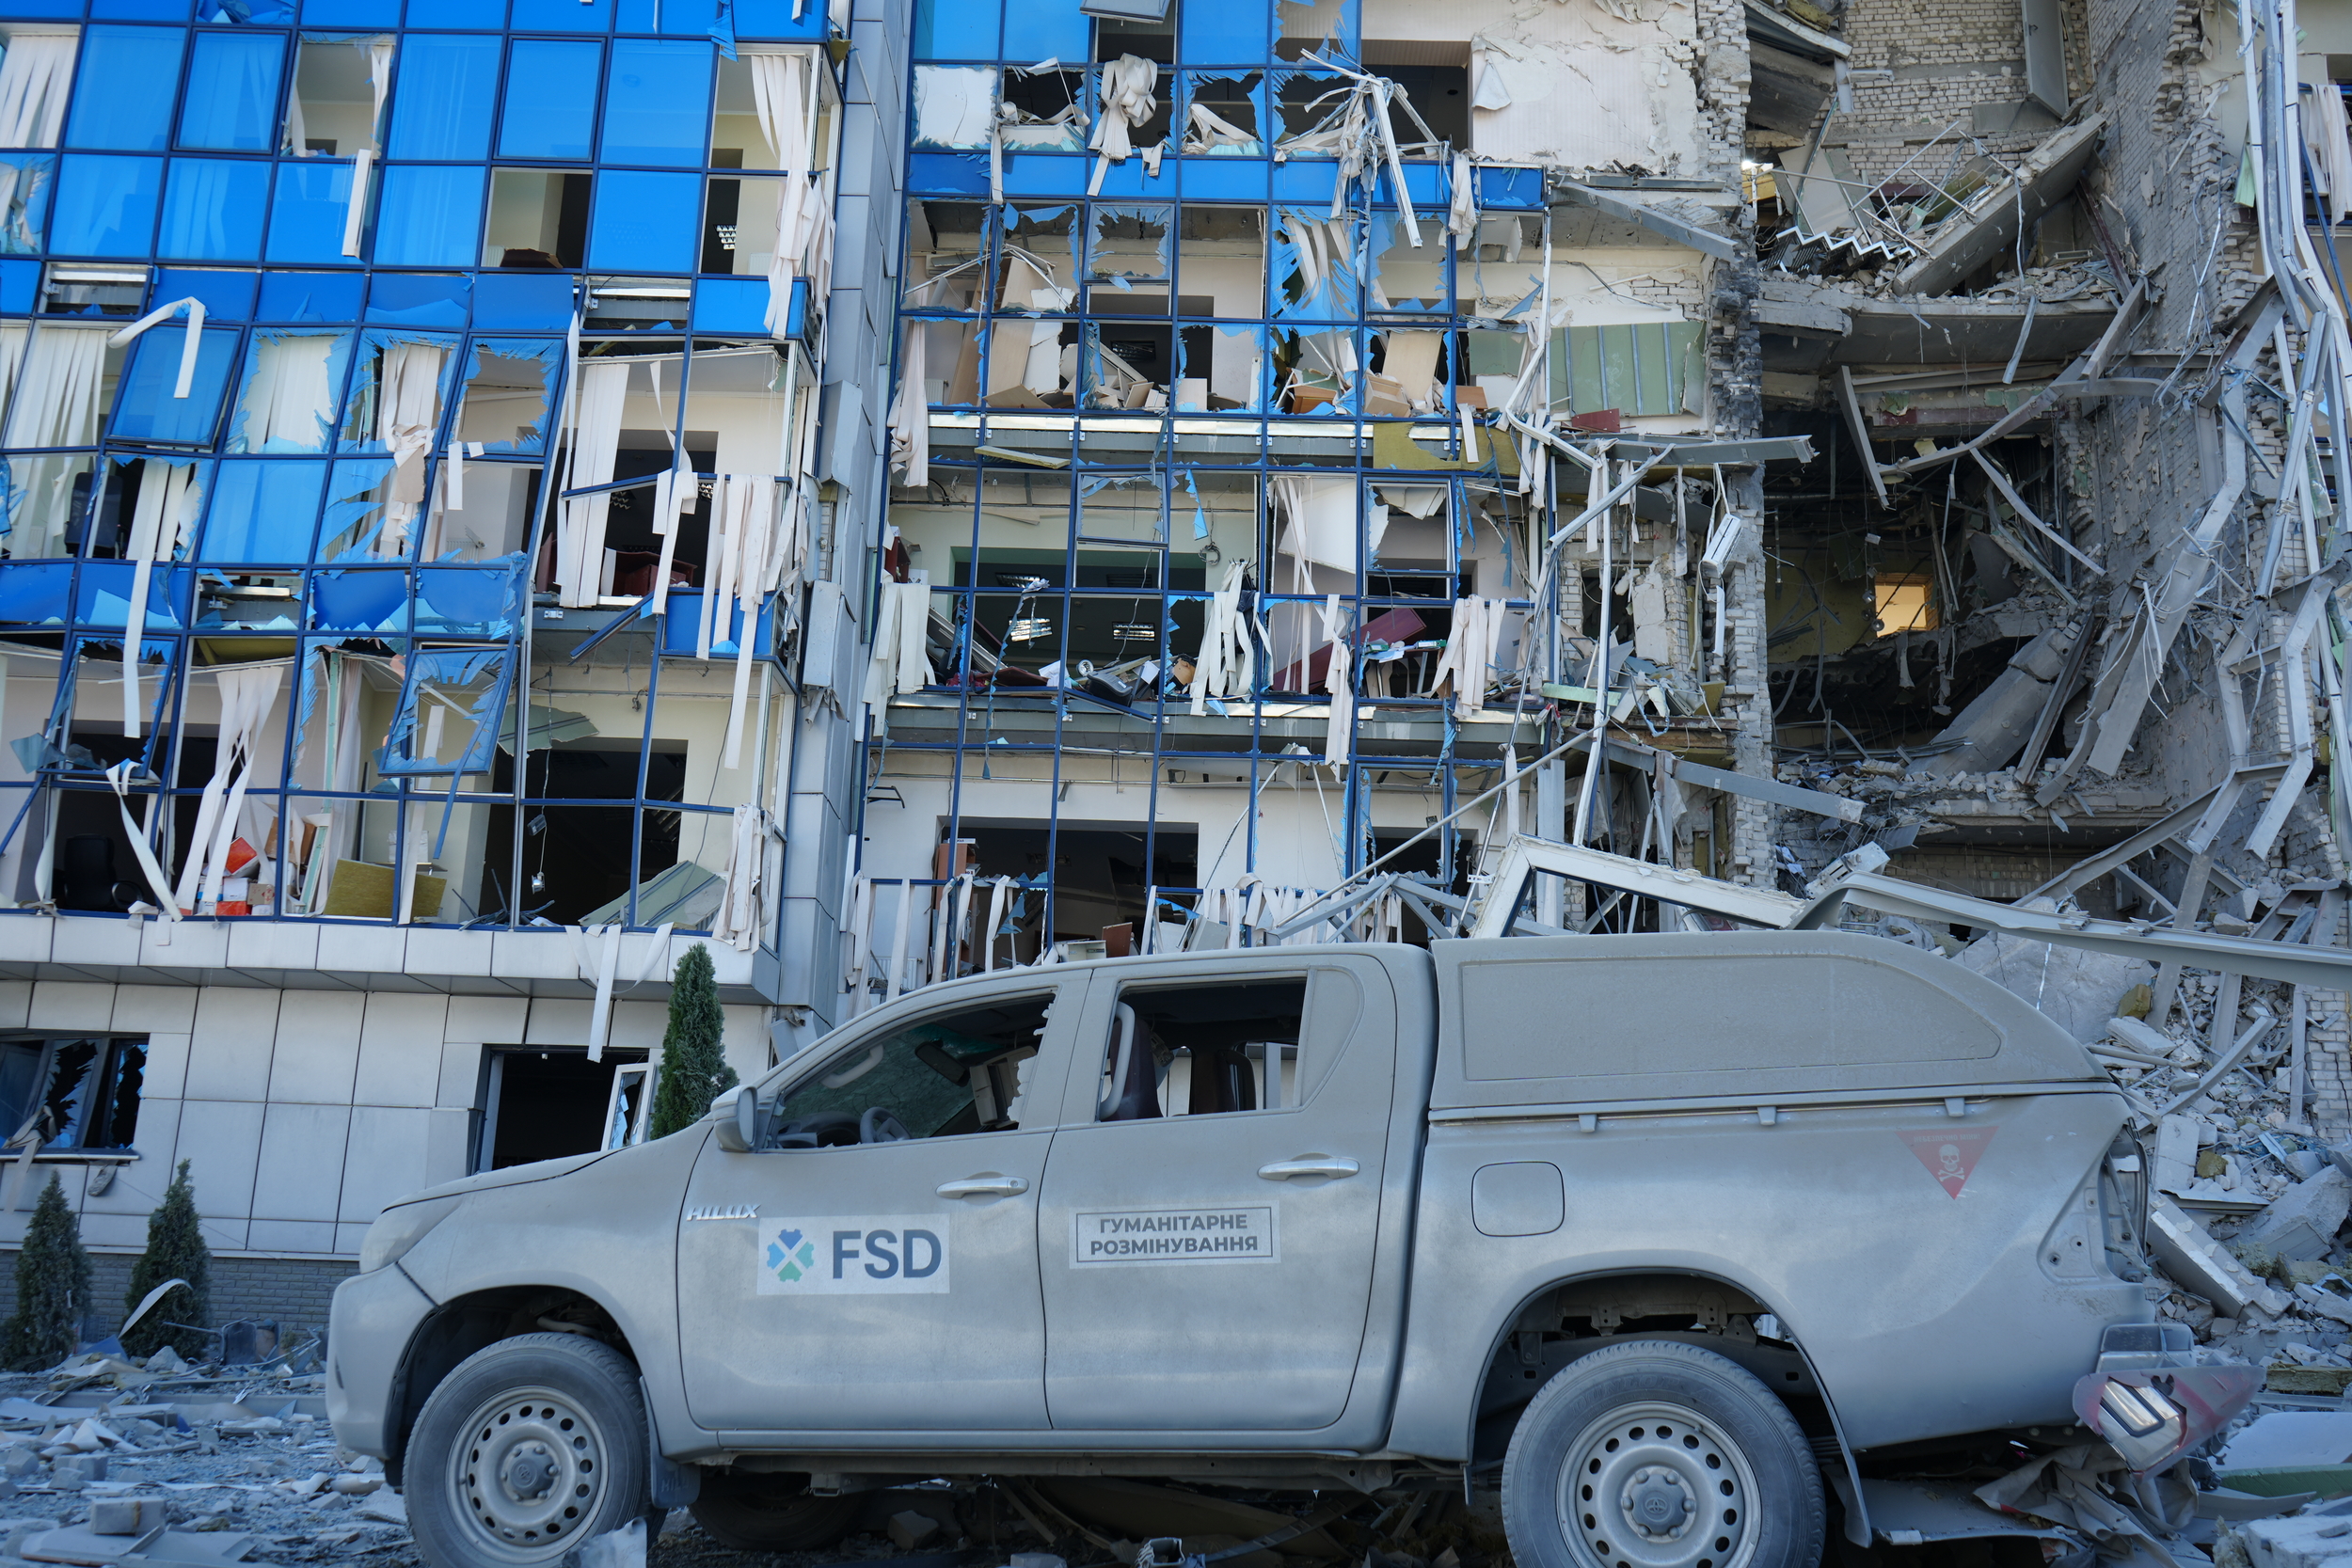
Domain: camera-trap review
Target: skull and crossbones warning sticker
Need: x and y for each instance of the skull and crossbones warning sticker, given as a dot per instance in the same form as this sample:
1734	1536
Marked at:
1950	1154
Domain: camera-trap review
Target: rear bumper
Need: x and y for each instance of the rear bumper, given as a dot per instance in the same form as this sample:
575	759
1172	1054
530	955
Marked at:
375	1317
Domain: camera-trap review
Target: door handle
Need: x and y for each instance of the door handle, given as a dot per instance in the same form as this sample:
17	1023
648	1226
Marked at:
1309	1164
984	1186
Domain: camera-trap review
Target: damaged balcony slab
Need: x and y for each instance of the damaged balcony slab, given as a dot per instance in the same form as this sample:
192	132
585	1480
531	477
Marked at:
1991	223
1809	327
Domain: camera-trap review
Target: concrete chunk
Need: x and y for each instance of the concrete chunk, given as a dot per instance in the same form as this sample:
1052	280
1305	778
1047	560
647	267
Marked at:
2196	1263
2306	1541
910	1530
2302	1222
125	1515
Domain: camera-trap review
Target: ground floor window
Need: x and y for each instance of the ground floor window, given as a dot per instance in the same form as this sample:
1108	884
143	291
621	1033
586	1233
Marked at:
78	1091
542	1102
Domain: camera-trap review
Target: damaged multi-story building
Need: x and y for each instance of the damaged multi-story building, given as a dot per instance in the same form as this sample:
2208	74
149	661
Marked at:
425	430
895	495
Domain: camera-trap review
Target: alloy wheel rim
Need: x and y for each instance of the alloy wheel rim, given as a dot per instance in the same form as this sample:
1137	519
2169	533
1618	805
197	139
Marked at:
529	1473
1656	1485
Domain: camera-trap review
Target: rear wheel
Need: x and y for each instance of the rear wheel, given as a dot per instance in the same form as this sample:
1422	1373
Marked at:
531	1446
770	1511
1656	1454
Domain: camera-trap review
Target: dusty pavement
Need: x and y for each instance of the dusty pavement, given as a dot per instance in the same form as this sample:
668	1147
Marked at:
239	1464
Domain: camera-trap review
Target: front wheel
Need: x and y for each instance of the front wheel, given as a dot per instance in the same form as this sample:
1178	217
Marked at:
1657	1454
531	1446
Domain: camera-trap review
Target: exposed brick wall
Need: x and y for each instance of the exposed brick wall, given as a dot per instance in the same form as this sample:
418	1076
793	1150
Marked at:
293	1291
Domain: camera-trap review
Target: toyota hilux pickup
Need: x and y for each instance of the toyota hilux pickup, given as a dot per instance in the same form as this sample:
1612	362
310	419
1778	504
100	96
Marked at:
1666	1235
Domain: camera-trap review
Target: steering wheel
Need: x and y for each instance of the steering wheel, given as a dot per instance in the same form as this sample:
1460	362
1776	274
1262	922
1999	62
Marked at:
824	1130
880	1125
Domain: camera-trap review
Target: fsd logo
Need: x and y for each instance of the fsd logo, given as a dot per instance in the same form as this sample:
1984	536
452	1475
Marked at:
852	1255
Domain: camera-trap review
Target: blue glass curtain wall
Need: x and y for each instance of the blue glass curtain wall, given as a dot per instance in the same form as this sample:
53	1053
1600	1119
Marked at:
1214	399
341	475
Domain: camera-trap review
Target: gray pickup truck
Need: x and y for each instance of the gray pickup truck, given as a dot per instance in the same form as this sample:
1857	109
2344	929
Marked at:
1656	1231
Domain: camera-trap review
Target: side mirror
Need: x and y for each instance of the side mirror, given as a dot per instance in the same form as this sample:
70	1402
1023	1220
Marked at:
736	1114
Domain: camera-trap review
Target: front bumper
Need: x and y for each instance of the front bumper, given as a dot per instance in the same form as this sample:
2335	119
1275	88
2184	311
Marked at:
375	1317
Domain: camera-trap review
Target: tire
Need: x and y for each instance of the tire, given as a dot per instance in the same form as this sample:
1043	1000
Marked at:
531	1446
1656	1454
768	1512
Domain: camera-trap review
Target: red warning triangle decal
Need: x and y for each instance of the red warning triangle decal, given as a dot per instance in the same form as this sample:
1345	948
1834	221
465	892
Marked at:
1950	1154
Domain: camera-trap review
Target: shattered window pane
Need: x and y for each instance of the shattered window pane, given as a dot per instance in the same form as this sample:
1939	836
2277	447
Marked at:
1127	259
1221	262
509	384
340	85
24	182
1314	265
954	106
291	383
449	714
948	259
1224	115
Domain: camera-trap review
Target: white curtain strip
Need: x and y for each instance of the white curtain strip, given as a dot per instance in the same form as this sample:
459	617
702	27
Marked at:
158	882
189	344
597	956
34	77
1339	680
1470	653
783	97
739	920
407	411
595	445
356	206
1001	891
902	658
160	520
246	696
858	931
895	980
54	403
1228	663
290	399
910	415
673	494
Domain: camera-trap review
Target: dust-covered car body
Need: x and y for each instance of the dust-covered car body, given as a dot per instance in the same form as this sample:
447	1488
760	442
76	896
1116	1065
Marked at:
1310	1215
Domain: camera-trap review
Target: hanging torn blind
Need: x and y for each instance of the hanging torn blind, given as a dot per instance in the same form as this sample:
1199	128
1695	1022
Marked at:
54	385
1644	368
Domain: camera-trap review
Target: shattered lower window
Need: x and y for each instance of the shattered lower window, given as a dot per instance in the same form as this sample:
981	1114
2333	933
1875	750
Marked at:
1177	1051
72	1092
